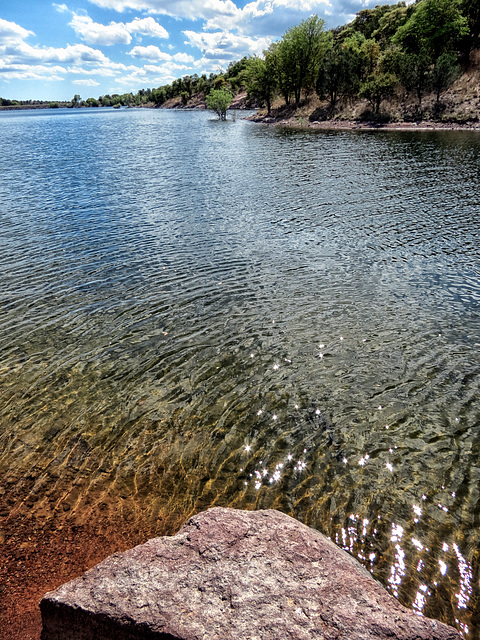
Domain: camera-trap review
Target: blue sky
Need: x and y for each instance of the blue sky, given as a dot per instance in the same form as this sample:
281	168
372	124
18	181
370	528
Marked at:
53	50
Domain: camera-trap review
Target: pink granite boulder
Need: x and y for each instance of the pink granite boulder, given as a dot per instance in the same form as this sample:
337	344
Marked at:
232	575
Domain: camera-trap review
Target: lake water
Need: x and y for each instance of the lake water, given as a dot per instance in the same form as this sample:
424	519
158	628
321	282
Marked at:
197	313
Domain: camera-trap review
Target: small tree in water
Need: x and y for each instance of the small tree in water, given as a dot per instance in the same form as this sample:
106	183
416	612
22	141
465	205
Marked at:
219	100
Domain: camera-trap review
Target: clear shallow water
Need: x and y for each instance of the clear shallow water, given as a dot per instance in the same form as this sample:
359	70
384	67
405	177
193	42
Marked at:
196	313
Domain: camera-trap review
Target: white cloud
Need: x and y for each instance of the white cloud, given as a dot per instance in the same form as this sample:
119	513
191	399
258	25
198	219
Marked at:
100	34
267	17
61	8
84	65
178	67
22	61
224	46
115	32
134	81
24	53
192	9
86	83
31	72
264	17
12	33
106	72
147	27
183	57
151	75
149	53
154	54
154	68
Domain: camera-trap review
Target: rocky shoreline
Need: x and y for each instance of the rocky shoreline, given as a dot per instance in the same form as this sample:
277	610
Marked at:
355	125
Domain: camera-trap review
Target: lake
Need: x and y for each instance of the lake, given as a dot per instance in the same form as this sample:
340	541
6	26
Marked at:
197	313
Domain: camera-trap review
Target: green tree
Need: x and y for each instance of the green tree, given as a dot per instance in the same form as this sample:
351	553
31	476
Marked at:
444	73
363	55
260	79
389	23
158	96
414	72
219	81
76	100
435	27
336	74
219	100
234	69
284	65
301	49
187	87
235	74
202	85
471	10
177	87
367	21
378	88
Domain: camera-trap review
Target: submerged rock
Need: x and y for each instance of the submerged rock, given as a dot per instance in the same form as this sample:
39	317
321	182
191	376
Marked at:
232	575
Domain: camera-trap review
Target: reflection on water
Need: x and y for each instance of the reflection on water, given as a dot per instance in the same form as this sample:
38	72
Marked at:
197	313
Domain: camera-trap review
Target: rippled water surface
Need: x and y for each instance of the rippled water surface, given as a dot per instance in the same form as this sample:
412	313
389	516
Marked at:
197	313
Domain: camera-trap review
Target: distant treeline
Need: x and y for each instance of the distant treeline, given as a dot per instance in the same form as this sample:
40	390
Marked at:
184	87
418	49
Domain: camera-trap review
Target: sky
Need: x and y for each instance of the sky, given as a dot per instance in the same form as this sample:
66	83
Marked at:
54	50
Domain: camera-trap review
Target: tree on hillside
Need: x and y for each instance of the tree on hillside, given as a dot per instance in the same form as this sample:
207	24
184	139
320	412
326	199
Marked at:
159	96
236	72
390	22
471	10
444	73
435	27
219	100
300	52
362	55
260	79
414	72
187	87
367	21
378	88
284	66
336	73
219	82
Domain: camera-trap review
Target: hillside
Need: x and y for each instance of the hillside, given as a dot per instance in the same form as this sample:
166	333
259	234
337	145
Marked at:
459	106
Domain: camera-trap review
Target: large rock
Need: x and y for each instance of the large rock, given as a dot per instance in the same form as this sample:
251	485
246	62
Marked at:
232	575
